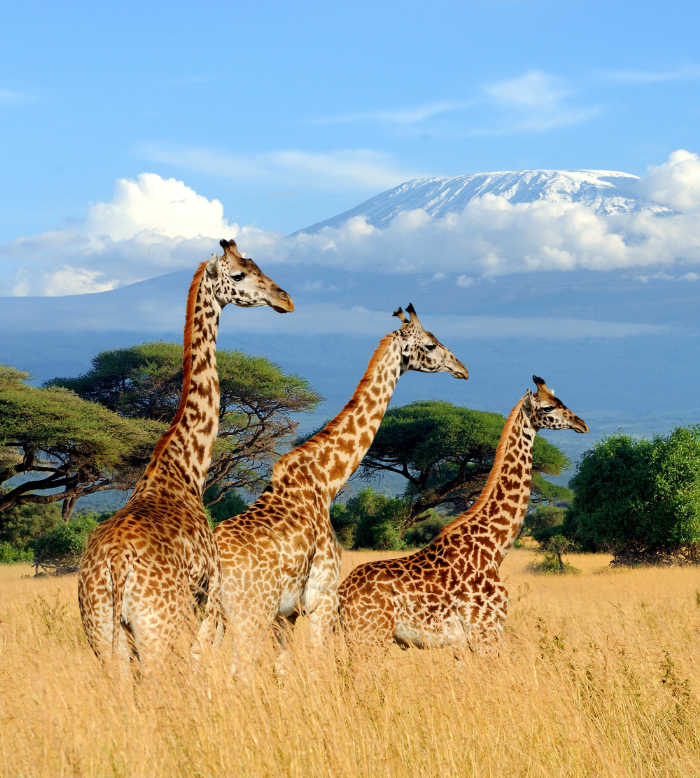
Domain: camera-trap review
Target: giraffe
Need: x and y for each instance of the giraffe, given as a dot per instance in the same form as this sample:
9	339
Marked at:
145	566
450	593
281	557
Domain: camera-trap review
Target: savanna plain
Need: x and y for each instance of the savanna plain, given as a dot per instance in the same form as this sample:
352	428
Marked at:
598	674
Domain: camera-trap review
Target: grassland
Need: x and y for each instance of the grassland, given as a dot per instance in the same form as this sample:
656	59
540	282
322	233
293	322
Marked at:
598	675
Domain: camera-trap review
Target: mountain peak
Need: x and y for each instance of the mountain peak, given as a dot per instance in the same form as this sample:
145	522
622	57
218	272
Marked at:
605	191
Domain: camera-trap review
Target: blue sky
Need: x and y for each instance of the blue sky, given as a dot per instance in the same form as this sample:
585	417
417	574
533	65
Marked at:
289	113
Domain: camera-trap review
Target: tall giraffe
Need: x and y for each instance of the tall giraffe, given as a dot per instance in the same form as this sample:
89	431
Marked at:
281	556
144	567
450	593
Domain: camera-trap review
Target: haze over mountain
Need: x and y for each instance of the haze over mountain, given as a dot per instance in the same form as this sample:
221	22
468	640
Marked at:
606	192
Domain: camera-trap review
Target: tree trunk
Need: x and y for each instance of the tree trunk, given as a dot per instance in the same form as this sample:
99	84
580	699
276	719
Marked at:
68	505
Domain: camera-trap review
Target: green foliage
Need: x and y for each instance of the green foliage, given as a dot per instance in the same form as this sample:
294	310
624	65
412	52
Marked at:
66	541
10	555
230	504
20	525
544	517
77	447
446	452
544	522
638	494
423	532
545	492
370	520
257	403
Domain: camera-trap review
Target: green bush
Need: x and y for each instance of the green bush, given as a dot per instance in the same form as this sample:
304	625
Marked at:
10	555
544	517
231	504
549	565
638	496
422	533
65	543
20	525
370	520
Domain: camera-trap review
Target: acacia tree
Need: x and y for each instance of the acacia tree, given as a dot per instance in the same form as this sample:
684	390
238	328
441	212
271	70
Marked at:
256	419
64	445
445	453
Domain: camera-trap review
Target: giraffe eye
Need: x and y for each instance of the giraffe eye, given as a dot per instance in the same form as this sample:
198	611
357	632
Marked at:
238	277
546	408
430	347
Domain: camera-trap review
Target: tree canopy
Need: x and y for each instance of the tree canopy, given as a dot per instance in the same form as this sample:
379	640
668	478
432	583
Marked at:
64	444
638	496
445	453
258	401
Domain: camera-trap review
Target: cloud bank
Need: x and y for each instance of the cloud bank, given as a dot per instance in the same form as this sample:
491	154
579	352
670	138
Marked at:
154	225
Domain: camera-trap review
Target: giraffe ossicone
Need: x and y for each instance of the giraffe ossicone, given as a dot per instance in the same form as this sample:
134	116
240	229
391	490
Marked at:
281	556
145	566
450	593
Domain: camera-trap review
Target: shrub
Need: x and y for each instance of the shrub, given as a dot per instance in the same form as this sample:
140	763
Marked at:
423	532
370	520
231	504
550	565
10	555
638	497
20	525
66	542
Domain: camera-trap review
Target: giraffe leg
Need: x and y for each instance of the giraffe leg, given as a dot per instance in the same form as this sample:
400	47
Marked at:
96	611
369	631
284	634
488	625
249	616
320	598
212	628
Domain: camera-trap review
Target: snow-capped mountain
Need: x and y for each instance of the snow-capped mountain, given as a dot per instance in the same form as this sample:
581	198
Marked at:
606	191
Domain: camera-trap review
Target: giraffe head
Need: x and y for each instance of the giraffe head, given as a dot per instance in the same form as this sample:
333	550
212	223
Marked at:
240	281
422	351
549	412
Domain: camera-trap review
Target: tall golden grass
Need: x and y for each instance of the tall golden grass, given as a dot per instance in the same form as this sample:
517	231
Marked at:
598	675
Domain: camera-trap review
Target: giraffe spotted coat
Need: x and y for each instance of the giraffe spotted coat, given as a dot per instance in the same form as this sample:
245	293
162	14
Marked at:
450	592
281	558
144	567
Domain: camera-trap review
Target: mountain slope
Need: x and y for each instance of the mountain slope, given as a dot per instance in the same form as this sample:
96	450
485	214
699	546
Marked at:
607	192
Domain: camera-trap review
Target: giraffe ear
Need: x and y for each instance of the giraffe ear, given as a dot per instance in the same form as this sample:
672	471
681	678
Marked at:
213	266
406	348
527	401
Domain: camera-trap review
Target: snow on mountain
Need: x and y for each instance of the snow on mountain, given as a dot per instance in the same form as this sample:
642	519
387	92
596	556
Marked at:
605	191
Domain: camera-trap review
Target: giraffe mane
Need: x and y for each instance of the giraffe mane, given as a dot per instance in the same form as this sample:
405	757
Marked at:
335	423
480	501
186	363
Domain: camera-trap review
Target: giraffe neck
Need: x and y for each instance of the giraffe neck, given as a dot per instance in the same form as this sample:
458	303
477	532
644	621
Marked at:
340	447
184	452
495	519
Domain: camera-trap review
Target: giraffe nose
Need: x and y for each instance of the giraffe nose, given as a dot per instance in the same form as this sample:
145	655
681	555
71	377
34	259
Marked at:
579	425
287	304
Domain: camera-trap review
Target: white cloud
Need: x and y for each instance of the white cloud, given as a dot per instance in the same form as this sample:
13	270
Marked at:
360	169
153	225
535	101
149	227
675	183
154	207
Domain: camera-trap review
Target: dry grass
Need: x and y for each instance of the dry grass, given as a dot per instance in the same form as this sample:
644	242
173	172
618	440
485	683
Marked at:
598	675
